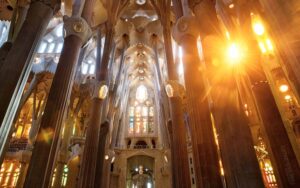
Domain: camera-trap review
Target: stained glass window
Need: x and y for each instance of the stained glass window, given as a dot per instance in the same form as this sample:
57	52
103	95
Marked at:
141	120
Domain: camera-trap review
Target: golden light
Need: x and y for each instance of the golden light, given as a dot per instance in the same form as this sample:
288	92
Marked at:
283	88
227	35
234	53
113	159
262	47
258	28
287	97
269	45
106	157
103	92
231	6
166	158
169	90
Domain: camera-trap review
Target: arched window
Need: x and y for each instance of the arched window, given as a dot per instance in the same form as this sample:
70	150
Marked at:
4	25
141	93
52	43
141	114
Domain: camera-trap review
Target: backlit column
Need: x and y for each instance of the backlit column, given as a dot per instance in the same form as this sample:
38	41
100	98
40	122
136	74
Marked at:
16	67
233	133
204	147
90	167
232	130
181	176
44	152
283	157
177	128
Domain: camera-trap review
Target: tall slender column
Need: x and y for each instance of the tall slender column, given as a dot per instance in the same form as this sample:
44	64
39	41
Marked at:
241	168
44	152
204	147
99	177
89	167
234	135
283	157
181	174
16	67
177	131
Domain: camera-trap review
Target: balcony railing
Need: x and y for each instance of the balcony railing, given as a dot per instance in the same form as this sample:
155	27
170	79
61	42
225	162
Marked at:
127	147
19	144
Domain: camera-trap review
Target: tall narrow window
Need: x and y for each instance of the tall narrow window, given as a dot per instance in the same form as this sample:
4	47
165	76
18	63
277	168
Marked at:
64	176
141	93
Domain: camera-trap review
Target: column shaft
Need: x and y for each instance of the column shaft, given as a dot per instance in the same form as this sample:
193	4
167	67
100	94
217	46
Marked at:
177	131
204	147
18	58
17	65
89	156
181	173
239	160
99	177
93	145
285	161
44	152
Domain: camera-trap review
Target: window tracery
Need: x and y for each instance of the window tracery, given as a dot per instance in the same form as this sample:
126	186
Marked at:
141	113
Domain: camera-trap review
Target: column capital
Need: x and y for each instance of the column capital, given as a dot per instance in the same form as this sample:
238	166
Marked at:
185	26
175	89
77	26
98	89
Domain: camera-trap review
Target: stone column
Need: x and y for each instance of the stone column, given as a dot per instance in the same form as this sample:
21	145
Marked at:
181	173
90	157
283	157
90	161
44	152
234	136
176	127
16	67
241	168
173	164
99	177
205	150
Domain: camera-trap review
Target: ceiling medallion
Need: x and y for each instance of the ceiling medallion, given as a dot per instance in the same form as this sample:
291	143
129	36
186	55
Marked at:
140	2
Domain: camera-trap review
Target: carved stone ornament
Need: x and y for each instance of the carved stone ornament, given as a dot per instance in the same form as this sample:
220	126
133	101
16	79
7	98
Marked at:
175	89
98	89
186	25
77	26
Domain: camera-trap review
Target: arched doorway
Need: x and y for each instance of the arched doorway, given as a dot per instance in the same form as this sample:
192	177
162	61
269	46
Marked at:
140	172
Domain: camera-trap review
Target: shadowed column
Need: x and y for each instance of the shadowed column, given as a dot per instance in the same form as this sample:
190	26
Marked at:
15	69
45	148
284	160
204	147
